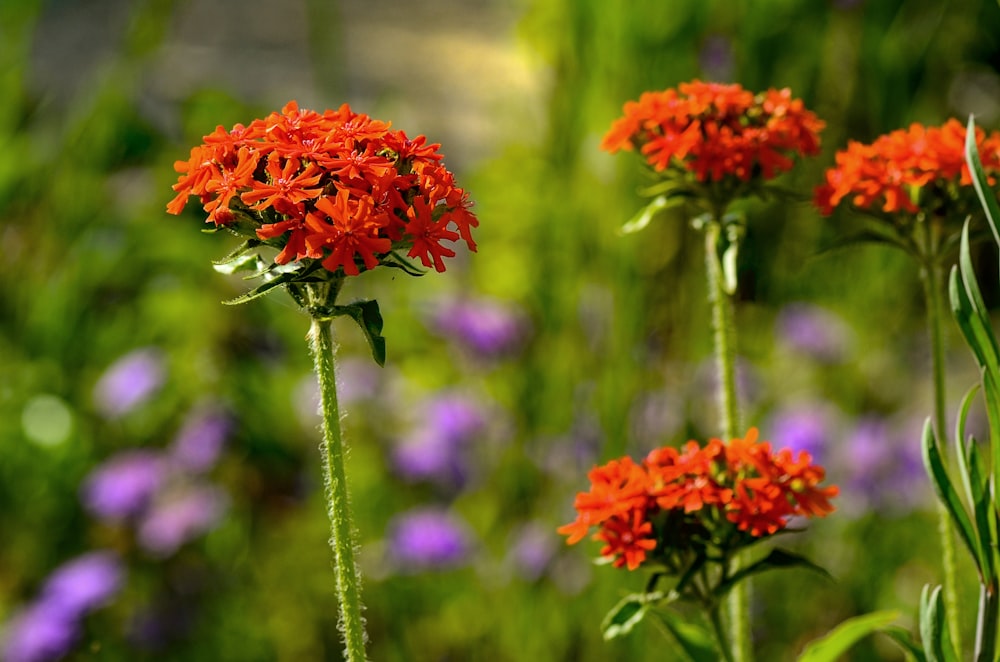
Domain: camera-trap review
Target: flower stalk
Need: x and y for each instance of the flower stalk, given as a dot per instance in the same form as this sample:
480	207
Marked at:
723	333
932	278
321	297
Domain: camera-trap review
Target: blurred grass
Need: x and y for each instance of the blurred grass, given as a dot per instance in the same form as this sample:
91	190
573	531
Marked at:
92	268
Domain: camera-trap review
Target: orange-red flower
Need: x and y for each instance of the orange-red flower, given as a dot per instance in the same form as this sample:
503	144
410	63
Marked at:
717	131
338	187
893	173
651	509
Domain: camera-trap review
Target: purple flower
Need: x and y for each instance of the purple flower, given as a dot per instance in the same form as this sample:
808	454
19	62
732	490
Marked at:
716	58
83	584
427	538
178	517
807	427
38	634
437	450
48	628
199	443
532	550
814	331
884	466
128	382
124	485
485	327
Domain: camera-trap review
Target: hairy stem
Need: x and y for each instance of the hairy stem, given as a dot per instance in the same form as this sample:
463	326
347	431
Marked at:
724	336
932	277
335	479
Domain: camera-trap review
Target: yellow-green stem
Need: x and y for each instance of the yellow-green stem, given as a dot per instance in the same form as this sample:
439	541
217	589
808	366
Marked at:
932	277
335	479
724	335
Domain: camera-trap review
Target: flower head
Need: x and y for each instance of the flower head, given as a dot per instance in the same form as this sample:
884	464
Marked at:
904	172
336	187
428	538
715	131
680	500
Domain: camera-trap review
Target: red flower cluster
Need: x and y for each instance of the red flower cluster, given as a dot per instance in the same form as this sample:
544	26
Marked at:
715	130
742	483
336	186
890	172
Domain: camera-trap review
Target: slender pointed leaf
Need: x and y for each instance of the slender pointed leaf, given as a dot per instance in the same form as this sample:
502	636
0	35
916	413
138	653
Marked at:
904	639
696	641
646	214
776	558
986	196
260	290
933	631
831	646
246	247
624	616
946	492
982	503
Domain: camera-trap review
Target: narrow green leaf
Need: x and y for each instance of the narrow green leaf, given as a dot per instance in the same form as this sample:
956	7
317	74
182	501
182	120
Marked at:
260	290
251	262
986	196
776	558
946	492
646	214
369	319
624	616
831	646
982	506
904	639
933	631
245	247
696	641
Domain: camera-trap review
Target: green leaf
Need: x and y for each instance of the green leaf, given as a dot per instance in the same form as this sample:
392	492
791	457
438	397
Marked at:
369	318
244	248
261	290
904	639
624	616
776	558
696	641
933	631
646	214
946	492
835	643
247	262
979	180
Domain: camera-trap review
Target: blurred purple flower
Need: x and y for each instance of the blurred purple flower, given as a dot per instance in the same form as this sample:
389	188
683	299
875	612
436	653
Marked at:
716	58
123	486
38	634
884	466
806	427
201	439
47	629
427	538
814	331
485	327
83	584
176	518
655	416
128	382
437	450
532	550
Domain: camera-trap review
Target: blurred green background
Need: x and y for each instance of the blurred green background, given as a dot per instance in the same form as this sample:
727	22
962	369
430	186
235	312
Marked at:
559	345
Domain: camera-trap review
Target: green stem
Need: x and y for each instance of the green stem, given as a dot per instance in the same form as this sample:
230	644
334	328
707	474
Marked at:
724	335
720	633
932	277
335	480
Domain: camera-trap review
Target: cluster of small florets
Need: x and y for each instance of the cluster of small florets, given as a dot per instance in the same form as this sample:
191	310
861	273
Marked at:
338	187
676	499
